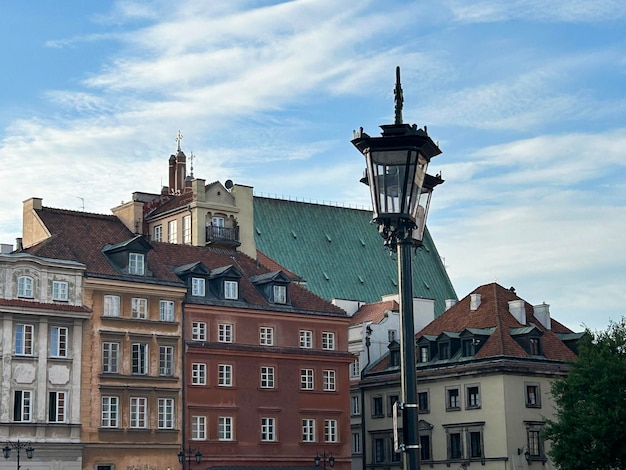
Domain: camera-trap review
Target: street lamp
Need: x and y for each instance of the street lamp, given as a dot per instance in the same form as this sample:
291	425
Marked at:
30	451
401	190
189	453
323	458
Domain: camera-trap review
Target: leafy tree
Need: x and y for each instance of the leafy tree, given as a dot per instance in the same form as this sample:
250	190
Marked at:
590	427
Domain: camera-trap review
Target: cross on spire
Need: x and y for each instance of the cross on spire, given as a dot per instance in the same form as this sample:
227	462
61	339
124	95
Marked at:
179	137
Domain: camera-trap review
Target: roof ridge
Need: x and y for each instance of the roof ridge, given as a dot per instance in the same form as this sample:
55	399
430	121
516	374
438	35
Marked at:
76	213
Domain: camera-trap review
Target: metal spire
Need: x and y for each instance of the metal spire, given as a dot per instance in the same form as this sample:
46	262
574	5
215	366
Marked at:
399	97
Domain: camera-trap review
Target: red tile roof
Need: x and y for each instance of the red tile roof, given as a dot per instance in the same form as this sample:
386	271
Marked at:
31	304
374	312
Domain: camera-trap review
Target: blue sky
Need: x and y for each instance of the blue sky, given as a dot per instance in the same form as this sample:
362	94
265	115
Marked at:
527	100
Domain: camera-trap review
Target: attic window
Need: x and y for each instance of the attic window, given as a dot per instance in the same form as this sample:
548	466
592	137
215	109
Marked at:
280	294
424	354
534	347
136	264
231	290
444	350
198	285
468	347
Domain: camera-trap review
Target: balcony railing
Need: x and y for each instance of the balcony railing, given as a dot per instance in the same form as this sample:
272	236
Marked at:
222	235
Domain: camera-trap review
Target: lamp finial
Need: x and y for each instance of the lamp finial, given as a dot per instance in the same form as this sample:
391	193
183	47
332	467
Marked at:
399	97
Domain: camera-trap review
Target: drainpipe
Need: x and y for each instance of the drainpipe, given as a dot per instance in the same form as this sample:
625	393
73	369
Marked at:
368	342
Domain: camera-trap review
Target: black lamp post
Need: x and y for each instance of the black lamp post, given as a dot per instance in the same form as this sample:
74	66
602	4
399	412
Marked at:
189	453
28	448
323	458
401	191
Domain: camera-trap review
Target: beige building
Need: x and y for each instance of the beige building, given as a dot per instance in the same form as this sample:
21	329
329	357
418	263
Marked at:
484	372
43	317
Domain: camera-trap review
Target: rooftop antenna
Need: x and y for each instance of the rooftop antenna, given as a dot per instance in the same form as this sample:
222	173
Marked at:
179	137
83	202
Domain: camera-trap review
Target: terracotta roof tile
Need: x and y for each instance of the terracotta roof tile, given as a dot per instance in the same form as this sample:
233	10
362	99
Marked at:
31	304
374	312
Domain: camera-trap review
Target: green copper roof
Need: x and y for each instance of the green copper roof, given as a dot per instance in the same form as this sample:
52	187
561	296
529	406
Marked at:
339	253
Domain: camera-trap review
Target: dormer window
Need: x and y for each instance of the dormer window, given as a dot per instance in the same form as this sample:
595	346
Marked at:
534	347
136	264
468	347
444	350
59	290
231	290
424	354
280	294
198	286
25	287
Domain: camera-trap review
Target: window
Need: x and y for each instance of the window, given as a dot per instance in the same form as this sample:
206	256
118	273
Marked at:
140	359
425	447
379	450
280	294
330	430
306	339
22	405
533	397
225	333
465	441
166	361
110	412
197	286
355	369
139	308
329	381
225	428
328	340
58	341
187	230
24	339
308	430
25	287
231	290
59	290
455	448
468	347
475	445
355	405
534	347
267	377
111	305
166	413
266	336
198	373
535	442
158	233
138	412
268	429
306	379
110	358
198	428
444	350
377	407
356	443
424	354
391	335
472	396
172	231
136	264
225	375
453	401
166	310
198	331
423	402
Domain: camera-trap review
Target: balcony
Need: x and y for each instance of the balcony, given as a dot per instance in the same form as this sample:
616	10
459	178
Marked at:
222	236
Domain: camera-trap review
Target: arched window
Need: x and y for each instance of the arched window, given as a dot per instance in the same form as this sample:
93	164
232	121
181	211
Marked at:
25	287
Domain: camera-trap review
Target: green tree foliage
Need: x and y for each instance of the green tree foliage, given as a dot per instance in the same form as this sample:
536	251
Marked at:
590	427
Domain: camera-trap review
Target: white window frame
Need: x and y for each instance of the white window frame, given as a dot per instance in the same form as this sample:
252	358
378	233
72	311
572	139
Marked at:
57	406
158	233
60	291
328	340
307	379
138	410
166	361
166	409
198	428
111	306
225	375
166	310
268	377
266	336
268	429
306	339
198	286
58	341
231	290
355	369
110	357
356	442
187	230
280	294
140	359
172	231
139	308
225	428
330	380
472	401
25	287
198	373
225	332
355	405
198	331
308	430
25	407
110	411
330	430
136	264
24	339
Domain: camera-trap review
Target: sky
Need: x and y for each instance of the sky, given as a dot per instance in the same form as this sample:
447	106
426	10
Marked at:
527	100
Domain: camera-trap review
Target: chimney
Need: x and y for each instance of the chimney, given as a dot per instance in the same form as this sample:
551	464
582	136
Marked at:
542	314
172	174
450	303
19	246
181	171
474	302
6	248
517	308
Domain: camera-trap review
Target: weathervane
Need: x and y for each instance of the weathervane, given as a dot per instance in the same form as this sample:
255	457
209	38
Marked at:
179	137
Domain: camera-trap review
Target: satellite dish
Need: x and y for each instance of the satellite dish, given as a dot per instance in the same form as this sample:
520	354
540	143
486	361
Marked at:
228	184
